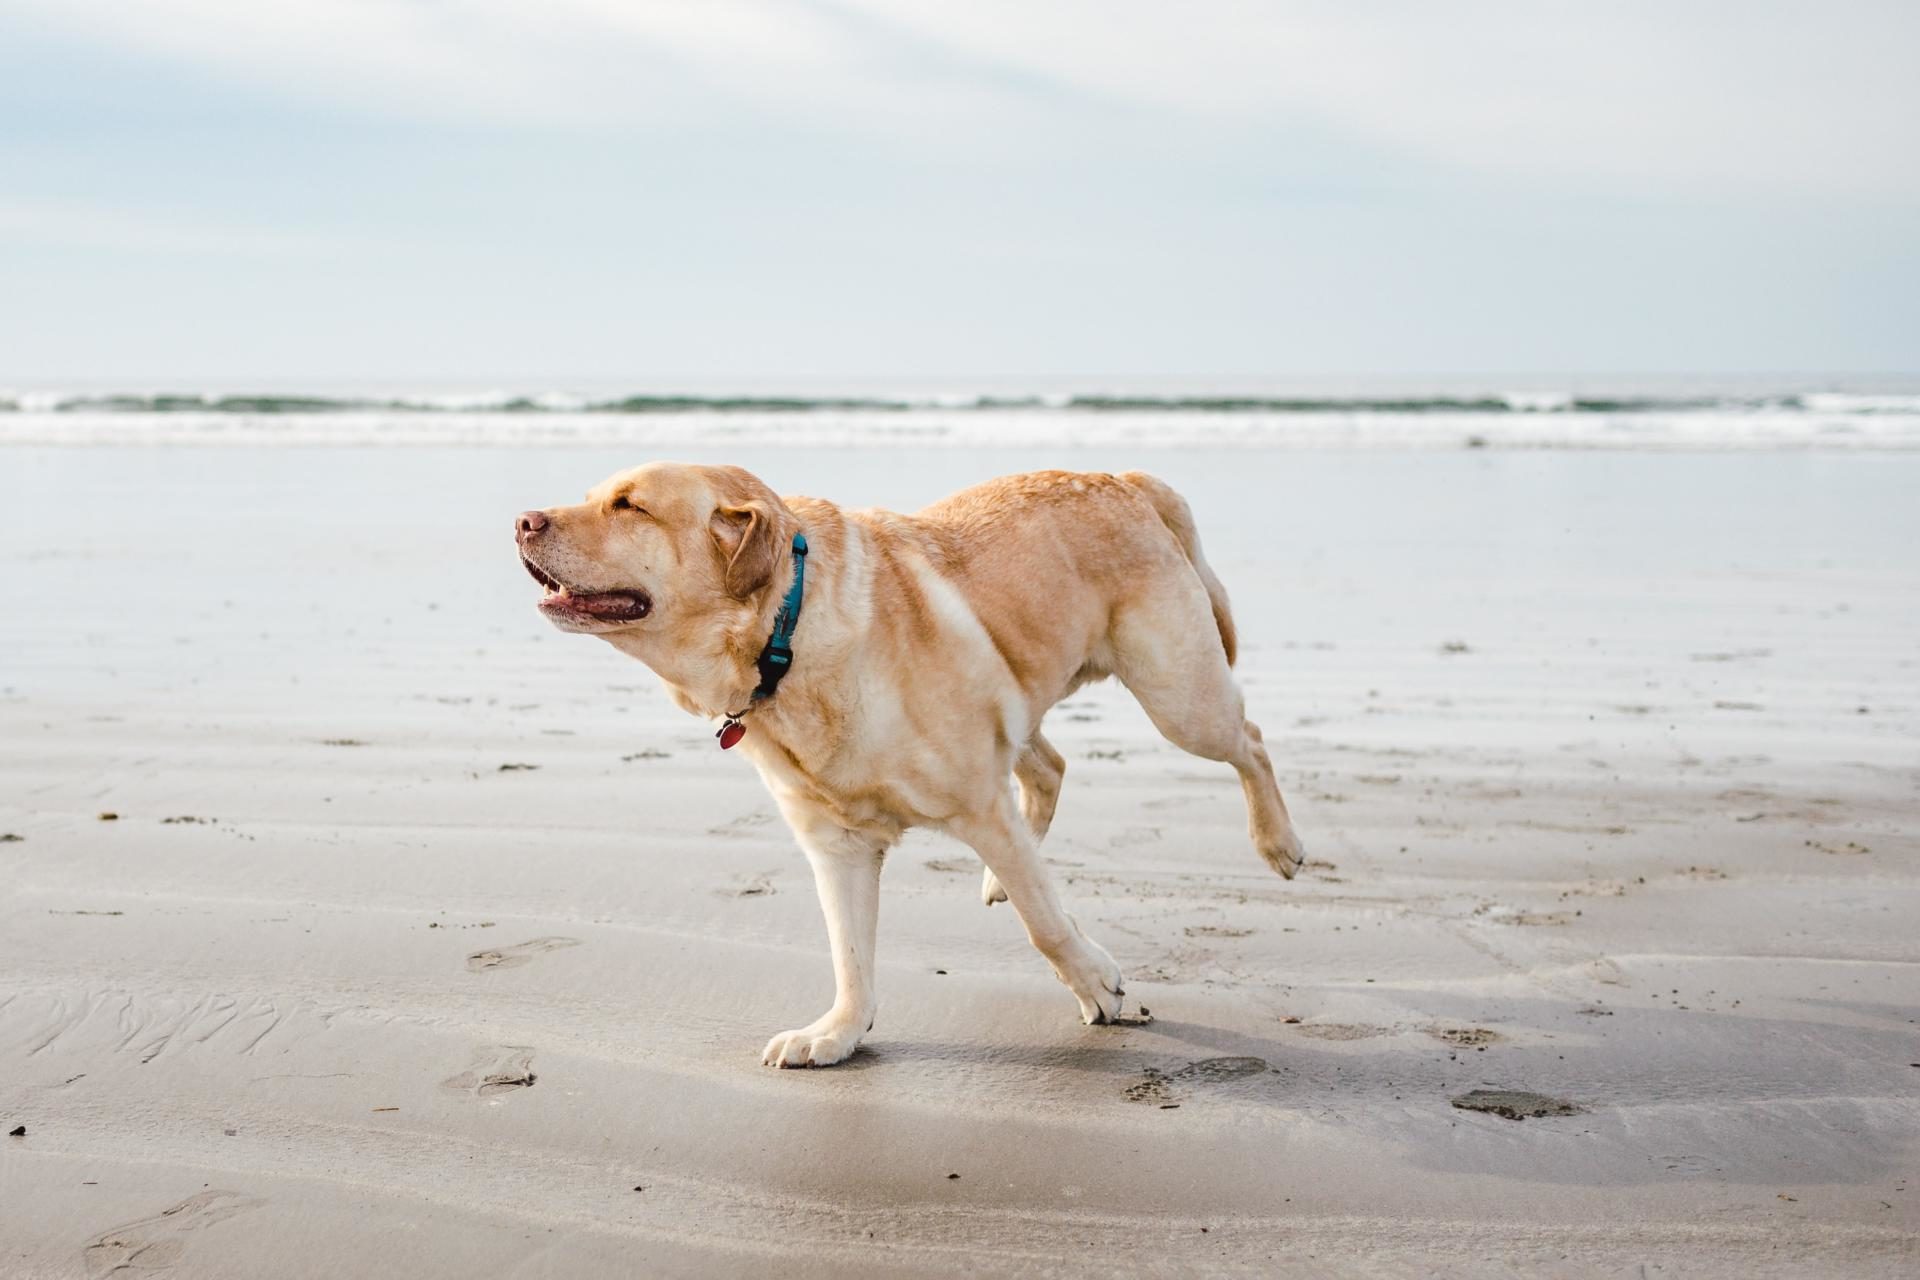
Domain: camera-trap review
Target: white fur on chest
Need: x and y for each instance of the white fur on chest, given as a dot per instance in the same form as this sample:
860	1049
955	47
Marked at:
909	751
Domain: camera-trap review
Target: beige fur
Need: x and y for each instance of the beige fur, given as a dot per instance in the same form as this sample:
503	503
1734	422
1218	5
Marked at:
928	650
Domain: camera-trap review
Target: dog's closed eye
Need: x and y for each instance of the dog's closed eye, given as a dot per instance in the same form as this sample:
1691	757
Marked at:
624	503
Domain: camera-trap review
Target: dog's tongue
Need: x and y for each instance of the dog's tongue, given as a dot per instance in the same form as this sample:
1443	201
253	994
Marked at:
620	606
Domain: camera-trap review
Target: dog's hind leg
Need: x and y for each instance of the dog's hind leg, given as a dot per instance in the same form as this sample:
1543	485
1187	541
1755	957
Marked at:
1002	839
1170	655
1039	771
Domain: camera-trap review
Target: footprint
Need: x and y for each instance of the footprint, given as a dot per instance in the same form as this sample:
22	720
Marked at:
1515	1104
1166	1089
1735	655
1603	970
741	825
1153	1089
496	1069
1133	836
1216	931
1517	916
760	886
154	1245
518	954
1341	1031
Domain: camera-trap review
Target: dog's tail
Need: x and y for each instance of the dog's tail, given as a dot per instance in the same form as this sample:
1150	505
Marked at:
1178	517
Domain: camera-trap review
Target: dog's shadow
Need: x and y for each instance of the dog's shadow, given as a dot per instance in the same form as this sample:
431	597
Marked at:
1097	1053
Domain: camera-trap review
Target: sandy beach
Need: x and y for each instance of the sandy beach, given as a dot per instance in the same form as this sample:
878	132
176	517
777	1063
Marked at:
355	923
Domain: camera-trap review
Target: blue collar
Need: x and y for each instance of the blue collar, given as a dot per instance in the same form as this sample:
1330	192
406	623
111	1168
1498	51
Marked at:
776	659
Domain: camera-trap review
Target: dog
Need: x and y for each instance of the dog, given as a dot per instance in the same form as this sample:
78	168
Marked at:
887	671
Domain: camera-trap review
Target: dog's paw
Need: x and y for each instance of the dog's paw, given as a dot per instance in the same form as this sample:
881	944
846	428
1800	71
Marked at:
1095	980
990	890
821	1044
1285	854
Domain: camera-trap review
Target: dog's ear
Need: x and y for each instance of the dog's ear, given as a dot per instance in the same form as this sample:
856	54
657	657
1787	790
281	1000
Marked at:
746	536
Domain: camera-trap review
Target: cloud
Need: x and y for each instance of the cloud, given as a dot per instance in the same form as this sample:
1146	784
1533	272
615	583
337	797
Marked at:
117	229
563	62
1699	96
1691	95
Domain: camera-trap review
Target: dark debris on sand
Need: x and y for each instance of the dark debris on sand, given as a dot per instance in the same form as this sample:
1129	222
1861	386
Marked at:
1514	1104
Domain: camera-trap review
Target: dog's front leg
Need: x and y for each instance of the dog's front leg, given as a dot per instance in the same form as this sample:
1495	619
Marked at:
846	871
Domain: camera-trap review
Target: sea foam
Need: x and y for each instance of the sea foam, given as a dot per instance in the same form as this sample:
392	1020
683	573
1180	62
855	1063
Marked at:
1546	419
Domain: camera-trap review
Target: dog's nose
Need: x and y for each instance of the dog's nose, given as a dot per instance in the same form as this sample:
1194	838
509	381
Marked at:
529	523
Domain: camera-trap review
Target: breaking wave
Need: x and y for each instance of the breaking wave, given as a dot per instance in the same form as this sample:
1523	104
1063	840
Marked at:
567	402
1523	419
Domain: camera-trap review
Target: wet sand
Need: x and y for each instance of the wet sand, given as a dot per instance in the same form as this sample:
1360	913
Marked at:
428	941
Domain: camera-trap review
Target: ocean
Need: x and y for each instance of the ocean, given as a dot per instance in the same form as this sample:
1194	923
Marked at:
1664	412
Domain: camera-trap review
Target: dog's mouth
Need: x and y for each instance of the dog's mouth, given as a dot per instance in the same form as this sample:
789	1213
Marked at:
569	605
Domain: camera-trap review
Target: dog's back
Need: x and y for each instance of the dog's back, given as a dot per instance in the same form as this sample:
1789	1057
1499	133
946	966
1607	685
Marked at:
1031	552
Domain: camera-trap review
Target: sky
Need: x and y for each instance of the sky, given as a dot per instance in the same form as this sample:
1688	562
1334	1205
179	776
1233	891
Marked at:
503	193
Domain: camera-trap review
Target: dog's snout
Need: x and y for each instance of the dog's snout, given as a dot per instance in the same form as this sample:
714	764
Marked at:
529	523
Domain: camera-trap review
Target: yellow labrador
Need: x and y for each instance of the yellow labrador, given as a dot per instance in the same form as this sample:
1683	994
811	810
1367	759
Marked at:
888	671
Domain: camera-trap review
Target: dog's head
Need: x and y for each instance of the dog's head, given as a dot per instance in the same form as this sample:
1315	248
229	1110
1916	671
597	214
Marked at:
666	561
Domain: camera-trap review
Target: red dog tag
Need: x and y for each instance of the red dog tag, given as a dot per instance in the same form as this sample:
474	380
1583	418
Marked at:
730	733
